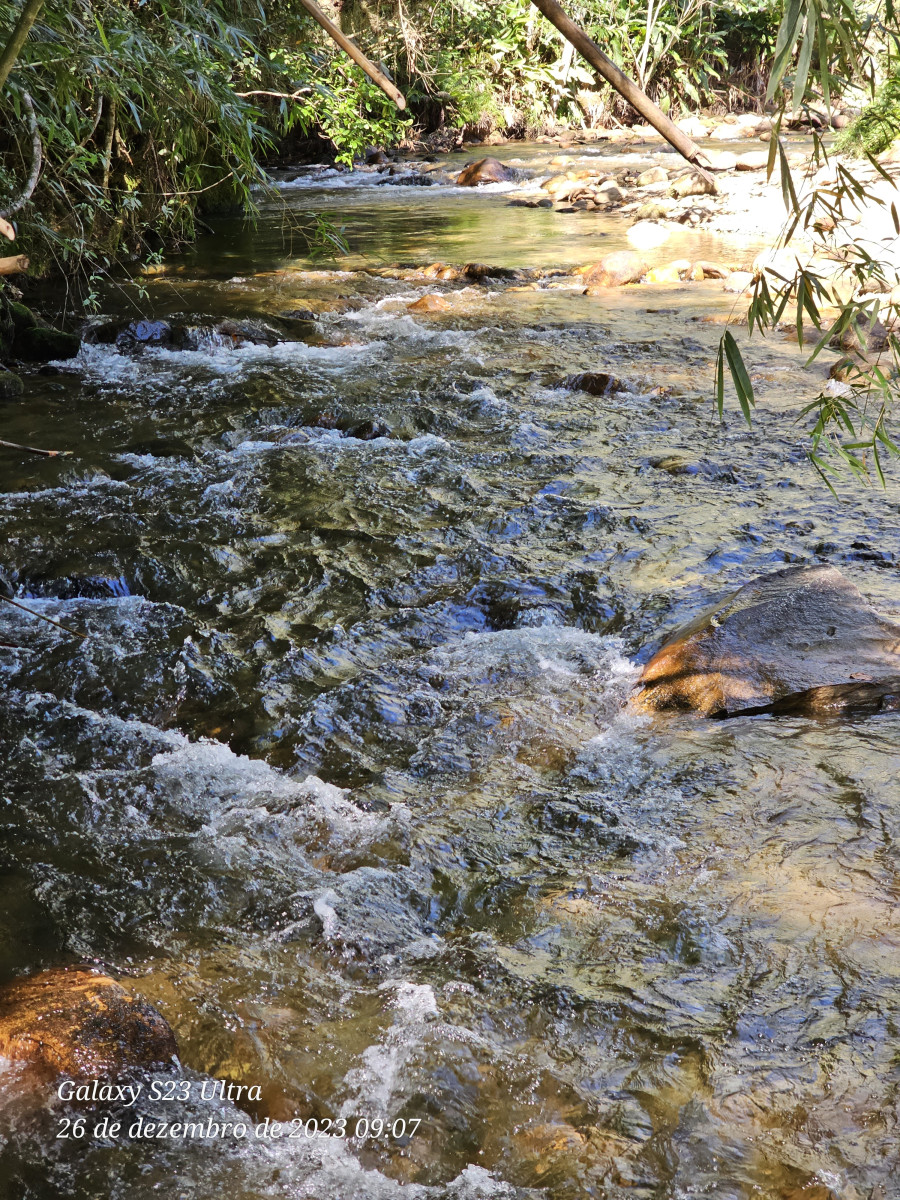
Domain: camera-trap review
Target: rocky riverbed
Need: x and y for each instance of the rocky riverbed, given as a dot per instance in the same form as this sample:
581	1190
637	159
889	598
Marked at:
342	785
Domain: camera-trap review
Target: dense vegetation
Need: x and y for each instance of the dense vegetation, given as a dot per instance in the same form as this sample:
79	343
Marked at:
151	113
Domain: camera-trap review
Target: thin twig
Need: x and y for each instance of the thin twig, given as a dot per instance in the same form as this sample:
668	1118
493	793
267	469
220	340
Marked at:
35	450
41	617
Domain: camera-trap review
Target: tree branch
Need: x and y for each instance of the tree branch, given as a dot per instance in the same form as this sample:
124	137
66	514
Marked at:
36	161
304	91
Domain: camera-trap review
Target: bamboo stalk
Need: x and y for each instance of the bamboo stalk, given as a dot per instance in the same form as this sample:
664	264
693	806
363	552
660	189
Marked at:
15	265
638	100
7	230
10	53
355	53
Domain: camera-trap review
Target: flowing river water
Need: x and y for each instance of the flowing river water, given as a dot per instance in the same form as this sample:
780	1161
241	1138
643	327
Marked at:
340	780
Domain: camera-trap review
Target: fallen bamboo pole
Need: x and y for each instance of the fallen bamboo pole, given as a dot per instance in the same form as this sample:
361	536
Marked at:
7	230
15	265
355	53
34	450
604	66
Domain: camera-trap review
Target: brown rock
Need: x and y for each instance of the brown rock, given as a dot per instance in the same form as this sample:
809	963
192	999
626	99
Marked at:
429	304
440	271
865	698
72	1021
596	383
616	269
560	187
485	170
653	210
797	631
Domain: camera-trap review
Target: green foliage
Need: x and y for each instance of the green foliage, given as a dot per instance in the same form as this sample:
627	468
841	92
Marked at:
139	121
352	112
877	126
853	419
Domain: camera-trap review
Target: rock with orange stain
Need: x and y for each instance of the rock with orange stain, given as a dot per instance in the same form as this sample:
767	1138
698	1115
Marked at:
440	270
71	1021
429	304
485	170
802	640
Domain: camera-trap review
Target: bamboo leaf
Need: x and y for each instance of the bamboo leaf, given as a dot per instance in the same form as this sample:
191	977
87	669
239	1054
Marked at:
784	44
739	376
804	59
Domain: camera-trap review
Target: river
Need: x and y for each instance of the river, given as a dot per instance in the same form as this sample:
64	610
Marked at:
340	779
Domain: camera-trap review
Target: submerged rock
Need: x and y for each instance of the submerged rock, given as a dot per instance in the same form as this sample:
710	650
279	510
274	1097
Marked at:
187	335
81	1024
485	170
368	431
479	271
595	383
144	333
429	304
11	385
799	640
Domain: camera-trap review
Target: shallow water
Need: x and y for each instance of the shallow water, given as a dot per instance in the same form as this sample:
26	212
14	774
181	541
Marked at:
341	781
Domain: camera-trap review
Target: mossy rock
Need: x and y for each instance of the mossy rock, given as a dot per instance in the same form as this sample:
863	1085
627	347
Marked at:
11	386
21	317
42	345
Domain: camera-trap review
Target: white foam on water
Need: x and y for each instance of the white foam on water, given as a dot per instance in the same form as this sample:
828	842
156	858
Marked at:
221	785
164	369
373	1084
541	650
426	443
323	907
